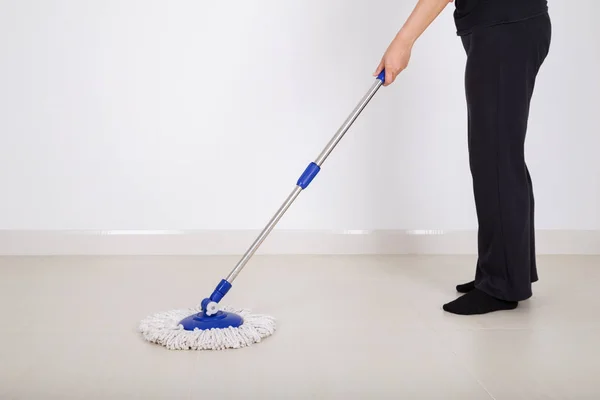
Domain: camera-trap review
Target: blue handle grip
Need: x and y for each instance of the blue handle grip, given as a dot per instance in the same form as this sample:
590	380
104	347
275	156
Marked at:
381	76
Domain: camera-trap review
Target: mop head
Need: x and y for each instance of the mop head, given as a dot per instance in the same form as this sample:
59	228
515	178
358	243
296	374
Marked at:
166	330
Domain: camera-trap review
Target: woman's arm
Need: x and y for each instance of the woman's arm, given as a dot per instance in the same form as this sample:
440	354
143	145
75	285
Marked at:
397	56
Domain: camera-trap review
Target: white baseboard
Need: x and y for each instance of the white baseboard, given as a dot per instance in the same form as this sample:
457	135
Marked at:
279	242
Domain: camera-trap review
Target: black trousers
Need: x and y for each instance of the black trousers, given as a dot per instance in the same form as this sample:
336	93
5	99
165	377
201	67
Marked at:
502	64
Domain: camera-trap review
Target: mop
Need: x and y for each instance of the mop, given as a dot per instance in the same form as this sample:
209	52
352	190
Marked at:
211	327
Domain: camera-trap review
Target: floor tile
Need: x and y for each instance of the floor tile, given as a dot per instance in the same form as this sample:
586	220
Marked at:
331	362
532	364
106	367
350	327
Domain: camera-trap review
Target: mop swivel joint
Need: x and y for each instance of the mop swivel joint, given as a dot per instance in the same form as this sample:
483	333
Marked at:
211	308
210	305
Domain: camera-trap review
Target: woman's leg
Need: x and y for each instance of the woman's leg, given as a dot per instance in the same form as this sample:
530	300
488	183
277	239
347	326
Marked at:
502	65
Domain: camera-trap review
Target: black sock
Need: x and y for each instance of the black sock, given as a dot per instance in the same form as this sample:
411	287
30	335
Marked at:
478	302
465	287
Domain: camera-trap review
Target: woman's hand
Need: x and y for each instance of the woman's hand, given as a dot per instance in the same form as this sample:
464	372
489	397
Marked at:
397	56
395	59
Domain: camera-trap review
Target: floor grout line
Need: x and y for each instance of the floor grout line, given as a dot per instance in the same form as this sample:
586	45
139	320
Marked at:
447	343
475	377
470	372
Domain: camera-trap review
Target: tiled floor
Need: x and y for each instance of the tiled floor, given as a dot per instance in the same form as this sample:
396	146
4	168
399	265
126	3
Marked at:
349	328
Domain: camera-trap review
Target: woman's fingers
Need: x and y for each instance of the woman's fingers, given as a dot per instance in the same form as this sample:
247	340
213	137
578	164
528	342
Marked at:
390	75
392	67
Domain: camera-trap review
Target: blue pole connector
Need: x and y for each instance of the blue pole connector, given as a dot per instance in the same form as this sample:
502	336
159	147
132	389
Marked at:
381	76
308	175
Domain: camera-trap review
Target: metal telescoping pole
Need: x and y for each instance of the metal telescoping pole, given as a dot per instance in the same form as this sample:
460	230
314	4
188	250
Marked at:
209	305
299	187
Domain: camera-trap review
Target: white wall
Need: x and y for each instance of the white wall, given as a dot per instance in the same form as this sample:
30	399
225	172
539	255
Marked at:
122	114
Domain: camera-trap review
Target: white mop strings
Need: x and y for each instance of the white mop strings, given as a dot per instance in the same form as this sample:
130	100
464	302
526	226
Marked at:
164	329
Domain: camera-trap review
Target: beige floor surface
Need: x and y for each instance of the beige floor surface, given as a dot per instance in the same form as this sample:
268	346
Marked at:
348	328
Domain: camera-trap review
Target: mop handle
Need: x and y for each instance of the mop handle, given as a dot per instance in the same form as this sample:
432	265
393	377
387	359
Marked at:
305	179
309	174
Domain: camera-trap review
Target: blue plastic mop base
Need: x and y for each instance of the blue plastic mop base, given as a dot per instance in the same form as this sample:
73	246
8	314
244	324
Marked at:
220	320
